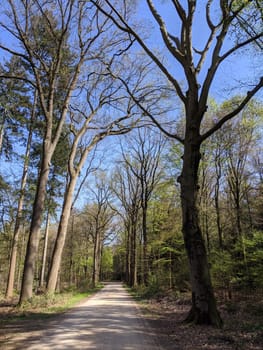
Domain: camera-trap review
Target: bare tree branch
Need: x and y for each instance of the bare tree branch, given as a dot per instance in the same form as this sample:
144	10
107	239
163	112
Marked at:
126	28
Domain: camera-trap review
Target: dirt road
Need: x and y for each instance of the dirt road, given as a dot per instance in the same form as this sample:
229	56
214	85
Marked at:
109	320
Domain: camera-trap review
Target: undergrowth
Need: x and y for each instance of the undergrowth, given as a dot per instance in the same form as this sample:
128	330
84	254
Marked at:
144	293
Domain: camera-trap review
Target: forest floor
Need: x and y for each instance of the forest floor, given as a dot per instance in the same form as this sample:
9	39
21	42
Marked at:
243	324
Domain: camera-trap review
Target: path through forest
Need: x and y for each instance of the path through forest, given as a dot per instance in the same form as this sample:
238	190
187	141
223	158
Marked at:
109	320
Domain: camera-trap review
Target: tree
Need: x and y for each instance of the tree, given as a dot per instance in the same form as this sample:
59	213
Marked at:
126	187
44	255
18	224
240	143
76	267
144	159
18	117
14	106
101	218
199	68
218	159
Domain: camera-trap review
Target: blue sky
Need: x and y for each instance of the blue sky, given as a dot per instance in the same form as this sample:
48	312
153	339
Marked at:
244	65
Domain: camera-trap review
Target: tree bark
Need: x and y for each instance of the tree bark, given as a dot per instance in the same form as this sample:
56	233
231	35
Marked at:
61	237
17	230
128	254
96	259
218	216
34	235
145	244
44	256
218	169
1	136
133	267
204	310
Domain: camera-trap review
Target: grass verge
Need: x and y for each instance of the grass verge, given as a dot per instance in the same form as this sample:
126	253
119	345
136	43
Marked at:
43	305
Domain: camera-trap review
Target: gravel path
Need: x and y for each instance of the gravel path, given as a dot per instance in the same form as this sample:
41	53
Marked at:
109	320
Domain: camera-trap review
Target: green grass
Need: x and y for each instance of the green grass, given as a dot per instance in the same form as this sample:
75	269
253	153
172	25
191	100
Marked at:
45	305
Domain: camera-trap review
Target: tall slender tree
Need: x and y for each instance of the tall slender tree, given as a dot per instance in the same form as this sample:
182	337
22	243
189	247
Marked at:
18	223
143	159
102	217
127	189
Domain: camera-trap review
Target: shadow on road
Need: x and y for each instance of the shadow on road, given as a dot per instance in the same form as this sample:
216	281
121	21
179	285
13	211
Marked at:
109	320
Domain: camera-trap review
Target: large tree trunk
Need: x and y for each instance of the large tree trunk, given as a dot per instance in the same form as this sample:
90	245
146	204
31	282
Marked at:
17	230
34	234
204	310
61	237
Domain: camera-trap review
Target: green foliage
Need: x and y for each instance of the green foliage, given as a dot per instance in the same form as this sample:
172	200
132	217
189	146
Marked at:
253	260
153	290
15	108
241	266
169	266
221	268
107	264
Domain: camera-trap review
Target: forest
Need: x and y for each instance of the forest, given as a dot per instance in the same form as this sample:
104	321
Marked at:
131	148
